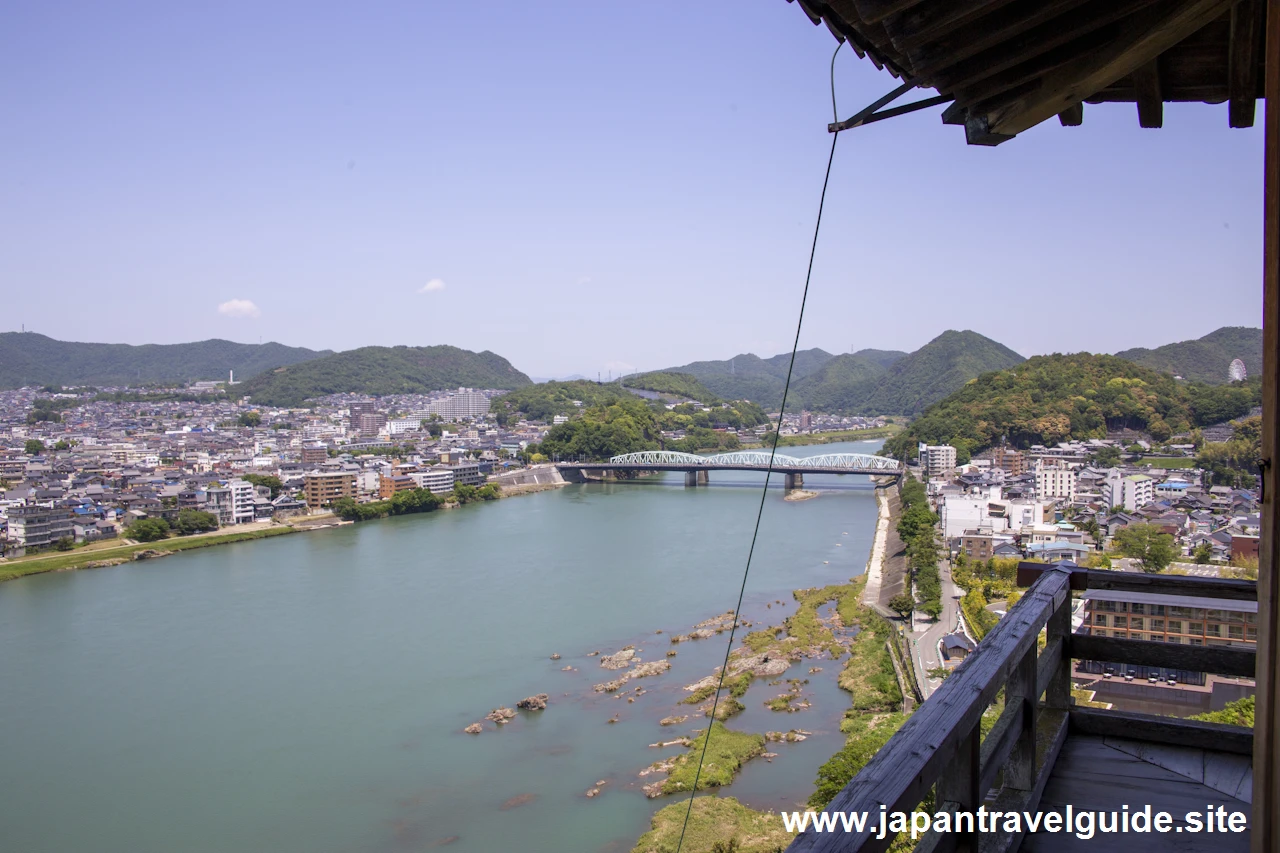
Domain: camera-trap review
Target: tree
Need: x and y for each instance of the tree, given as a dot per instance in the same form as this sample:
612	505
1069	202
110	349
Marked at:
1202	553
195	521
271	482
902	604
250	419
33	447
1107	457
1148	544
148	530
62	445
66	543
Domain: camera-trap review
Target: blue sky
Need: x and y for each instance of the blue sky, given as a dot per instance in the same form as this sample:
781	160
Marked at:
577	186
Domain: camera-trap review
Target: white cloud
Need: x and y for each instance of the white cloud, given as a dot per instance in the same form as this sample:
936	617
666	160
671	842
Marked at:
239	308
433	286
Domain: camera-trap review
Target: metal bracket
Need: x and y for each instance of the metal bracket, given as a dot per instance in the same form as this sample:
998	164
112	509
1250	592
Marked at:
872	112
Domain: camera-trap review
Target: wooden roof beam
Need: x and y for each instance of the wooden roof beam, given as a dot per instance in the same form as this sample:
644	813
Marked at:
1146	84
1061	38
1247	17
1142	38
873	11
1072	116
990	31
918	26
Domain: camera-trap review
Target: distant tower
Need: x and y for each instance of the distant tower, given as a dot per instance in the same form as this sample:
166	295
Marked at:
1236	372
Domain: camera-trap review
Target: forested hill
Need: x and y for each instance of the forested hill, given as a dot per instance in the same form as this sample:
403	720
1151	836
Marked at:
1052	398
858	384
27	358
545	400
383	370
746	376
676	384
1204	359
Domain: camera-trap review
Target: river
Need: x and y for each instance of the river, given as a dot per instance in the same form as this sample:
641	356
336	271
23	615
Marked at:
308	693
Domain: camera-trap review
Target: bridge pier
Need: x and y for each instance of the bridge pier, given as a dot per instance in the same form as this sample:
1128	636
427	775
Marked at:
794	481
704	477
690	479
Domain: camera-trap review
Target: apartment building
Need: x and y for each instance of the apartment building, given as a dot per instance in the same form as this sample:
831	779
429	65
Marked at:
314	455
438	479
322	488
1132	492
1167	619
1055	479
937	460
1012	462
32	526
389	484
243	500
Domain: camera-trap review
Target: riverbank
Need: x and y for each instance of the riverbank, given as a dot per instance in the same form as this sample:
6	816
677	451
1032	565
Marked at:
114	556
874	434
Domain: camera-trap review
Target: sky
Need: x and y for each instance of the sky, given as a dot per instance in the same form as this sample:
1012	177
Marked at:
579	187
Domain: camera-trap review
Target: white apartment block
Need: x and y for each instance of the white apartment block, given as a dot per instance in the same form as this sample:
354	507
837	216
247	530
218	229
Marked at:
1055	480
1132	492
243	498
937	460
463	404
438	479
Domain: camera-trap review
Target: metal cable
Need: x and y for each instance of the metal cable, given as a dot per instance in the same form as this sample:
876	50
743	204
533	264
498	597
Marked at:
786	388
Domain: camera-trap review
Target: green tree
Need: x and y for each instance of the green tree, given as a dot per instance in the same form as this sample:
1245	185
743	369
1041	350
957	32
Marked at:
62	444
1107	457
195	521
33	447
250	419
66	543
1148	544
148	530
270	481
1202	553
902	604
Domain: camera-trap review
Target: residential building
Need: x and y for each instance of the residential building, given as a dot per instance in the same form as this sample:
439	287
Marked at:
34	526
1011	461
438	479
1055	479
463	404
243	498
389	484
1169	619
314	454
977	544
1132	492
467	473
937	460
321	488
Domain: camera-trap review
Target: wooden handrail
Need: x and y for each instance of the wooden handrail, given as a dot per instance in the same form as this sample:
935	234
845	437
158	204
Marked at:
941	744
938	742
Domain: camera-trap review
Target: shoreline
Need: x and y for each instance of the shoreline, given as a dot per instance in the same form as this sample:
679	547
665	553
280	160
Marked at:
875	561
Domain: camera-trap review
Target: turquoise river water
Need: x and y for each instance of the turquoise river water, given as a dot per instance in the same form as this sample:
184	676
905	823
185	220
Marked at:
307	694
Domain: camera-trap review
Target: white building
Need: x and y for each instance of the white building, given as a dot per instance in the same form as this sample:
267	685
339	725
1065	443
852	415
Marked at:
937	460
243	498
463	404
1132	492
1055	480
438	479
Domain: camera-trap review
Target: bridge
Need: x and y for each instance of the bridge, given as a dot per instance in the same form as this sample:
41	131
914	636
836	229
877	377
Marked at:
697	468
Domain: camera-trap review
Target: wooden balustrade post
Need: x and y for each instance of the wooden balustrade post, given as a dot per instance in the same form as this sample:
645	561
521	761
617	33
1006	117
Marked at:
1058	693
1020	772
957	788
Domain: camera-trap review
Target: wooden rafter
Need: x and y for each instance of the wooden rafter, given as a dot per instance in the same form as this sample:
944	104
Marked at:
1146	84
1143	37
1242	61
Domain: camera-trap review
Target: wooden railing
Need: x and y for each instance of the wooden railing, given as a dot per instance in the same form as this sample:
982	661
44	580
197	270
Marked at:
941	750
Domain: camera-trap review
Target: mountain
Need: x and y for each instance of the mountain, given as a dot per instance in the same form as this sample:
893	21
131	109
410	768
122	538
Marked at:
383	370
676	384
882	357
1052	398
937	369
27	358
747	376
1204	359
838	385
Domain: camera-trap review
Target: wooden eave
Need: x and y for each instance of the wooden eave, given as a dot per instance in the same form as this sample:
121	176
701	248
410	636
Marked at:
1010	64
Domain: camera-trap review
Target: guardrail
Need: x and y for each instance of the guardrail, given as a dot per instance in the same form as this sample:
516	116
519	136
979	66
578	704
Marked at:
940	749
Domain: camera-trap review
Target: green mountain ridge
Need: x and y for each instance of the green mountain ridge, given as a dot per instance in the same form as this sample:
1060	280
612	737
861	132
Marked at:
1052	398
940	367
28	358
378	371
747	376
1204	359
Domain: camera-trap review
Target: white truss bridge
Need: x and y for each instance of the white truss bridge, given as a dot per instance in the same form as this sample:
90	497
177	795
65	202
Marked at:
747	460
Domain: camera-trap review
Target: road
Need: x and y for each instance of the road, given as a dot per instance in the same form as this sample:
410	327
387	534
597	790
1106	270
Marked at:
927	634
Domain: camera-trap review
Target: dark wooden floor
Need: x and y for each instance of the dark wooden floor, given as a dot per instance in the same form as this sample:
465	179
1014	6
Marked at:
1102	774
